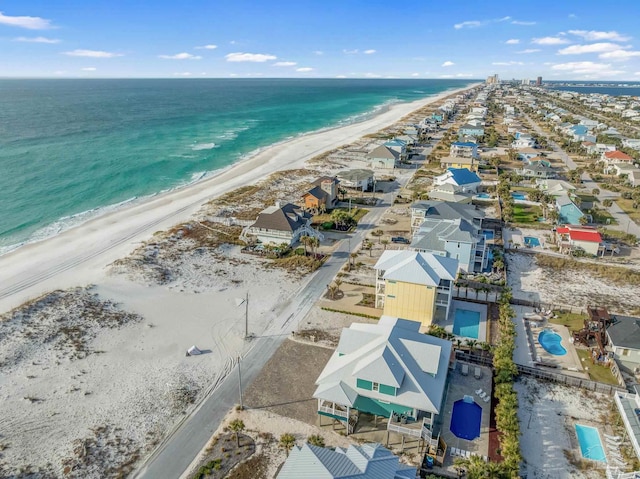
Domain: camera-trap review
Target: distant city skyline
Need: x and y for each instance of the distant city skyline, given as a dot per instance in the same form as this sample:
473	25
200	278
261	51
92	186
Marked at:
586	41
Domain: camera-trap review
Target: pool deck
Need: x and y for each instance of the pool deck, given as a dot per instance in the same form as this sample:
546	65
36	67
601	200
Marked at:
570	363
480	308
459	386
516	237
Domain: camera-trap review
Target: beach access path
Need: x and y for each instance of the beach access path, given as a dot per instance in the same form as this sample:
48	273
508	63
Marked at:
624	223
176	454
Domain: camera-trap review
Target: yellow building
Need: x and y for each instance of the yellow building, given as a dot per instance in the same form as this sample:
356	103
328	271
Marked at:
415	286
470	164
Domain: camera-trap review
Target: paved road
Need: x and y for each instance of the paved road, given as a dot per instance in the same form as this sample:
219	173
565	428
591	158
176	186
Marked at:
624	223
178	451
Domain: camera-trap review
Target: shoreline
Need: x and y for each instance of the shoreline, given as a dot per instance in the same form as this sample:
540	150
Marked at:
67	222
83	250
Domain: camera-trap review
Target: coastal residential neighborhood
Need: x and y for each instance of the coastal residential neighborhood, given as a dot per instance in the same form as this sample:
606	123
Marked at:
453	295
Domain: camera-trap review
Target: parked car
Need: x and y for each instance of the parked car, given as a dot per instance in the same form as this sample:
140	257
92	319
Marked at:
400	239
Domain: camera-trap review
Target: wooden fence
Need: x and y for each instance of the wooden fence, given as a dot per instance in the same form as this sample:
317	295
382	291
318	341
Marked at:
557	377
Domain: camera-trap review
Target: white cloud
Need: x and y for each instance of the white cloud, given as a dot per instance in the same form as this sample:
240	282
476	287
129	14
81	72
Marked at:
448	64
372	75
550	41
182	74
446	76
572	15
512	41
89	69
341	76
507	63
369	52
588	69
304	69
468	24
92	54
249	57
415	74
180	56
520	22
318	52
591	48
30	23
284	64
593	35
207	47
637	73
619	55
36	40
464	75
350	52
529	50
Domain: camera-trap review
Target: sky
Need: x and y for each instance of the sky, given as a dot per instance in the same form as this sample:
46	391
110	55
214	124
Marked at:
558	40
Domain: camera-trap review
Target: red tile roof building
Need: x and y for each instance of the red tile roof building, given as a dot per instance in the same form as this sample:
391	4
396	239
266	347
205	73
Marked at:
587	238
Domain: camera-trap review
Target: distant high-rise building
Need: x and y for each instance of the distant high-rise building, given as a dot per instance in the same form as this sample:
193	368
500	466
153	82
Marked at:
493	79
539	81
525	81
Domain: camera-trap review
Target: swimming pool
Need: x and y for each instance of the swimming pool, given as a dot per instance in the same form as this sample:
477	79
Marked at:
531	241
465	419
466	323
551	342
518	196
483	196
488	234
590	443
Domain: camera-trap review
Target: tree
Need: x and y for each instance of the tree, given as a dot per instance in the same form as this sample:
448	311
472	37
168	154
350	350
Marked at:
554	215
237	426
607	203
286	442
305	240
595	192
583	220
384	243
368	245
316	440
314	242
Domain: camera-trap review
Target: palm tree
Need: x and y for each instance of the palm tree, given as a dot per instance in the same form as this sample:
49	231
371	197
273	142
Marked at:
583	220
287	441
595	192
305	242
314	242
237	426
353	257
384	244
316	440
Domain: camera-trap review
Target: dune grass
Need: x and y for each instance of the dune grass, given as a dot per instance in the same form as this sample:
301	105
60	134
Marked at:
614	274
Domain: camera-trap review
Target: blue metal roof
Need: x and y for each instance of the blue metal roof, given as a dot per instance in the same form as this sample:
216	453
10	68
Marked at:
462	176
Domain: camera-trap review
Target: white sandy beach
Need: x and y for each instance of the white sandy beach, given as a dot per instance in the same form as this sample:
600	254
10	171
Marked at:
130	381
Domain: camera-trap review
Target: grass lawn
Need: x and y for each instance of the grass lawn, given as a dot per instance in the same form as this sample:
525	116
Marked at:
526	213
573	321
603	217
596	372
627	207
357	213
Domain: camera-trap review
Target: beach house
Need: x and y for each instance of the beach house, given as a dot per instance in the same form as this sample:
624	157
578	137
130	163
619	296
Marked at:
555	187
383	157
568	211
454	238
323	196
470	130
358	179
628	404
464	149
623	333
415	285
610	158
537	169
573	237
461	177
390	370
470	163
368	461
420	210
451	193
280	224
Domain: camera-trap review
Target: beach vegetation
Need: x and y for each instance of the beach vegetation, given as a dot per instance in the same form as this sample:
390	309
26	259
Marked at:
614	274
286	442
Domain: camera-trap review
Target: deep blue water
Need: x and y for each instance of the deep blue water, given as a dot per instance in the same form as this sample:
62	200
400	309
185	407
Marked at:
70	149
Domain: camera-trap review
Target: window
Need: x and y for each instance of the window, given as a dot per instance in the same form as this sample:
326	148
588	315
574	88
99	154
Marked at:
375	387
625	352
390	296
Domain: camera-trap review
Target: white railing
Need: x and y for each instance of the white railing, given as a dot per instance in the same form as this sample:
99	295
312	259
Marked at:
626	420
333	411
616	473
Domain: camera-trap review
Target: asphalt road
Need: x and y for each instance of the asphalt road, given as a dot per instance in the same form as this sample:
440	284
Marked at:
172	458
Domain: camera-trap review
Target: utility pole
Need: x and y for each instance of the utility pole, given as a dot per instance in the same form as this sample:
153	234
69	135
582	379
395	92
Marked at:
246	320
240	384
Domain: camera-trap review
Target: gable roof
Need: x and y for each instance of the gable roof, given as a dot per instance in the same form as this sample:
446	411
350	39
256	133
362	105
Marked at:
416	267
580	233
444	210
369	461
617	155
281	218
463	176
434	233
381	351
322	179
316	192
624	332
385	152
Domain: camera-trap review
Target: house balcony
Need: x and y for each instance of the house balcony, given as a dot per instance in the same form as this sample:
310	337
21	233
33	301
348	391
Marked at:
409	427
442	299
329	408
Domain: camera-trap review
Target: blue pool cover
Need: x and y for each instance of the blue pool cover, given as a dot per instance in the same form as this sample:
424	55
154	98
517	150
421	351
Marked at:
465	420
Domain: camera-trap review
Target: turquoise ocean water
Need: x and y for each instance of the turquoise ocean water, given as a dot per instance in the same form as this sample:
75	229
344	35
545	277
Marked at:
72	149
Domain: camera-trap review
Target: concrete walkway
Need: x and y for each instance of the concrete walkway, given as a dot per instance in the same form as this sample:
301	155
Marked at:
624	223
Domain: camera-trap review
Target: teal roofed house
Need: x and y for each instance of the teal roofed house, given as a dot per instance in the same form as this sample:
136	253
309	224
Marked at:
568	211
471	130
369	461
390	370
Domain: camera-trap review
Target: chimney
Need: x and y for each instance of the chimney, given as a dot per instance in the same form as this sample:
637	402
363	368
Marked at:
278	205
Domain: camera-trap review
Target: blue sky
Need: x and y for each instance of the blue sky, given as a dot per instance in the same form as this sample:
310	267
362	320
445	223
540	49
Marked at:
559	40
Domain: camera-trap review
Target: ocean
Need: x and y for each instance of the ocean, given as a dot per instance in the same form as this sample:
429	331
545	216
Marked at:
74	149
604	89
